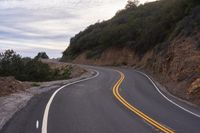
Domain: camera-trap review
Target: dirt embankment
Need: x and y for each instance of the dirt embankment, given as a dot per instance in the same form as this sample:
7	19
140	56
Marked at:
177	66
9	85
75	71
114	56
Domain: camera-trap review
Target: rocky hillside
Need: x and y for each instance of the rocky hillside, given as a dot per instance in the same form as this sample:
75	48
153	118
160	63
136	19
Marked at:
162	38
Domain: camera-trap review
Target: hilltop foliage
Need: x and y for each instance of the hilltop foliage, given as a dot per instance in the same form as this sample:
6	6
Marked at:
140	27
41	55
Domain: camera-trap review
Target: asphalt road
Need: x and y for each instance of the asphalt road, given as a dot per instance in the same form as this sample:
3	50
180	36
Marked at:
107	103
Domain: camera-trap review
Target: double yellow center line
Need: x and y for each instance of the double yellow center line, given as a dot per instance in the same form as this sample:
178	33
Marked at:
135	110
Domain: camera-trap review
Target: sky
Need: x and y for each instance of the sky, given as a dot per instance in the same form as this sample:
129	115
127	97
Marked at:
32	26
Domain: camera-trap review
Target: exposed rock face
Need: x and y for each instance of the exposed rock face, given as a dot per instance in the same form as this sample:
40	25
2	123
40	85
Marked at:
194	87
115	56
180	65
177	67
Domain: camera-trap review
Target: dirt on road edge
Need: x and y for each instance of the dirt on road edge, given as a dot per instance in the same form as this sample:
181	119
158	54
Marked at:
13	103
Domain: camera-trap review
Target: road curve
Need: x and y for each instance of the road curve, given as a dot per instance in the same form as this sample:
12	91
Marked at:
94	106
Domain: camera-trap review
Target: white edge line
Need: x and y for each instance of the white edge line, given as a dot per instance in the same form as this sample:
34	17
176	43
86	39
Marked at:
37	124
2	120
167	97
46	112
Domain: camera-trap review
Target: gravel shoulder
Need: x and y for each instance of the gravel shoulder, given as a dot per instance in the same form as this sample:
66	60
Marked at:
13	103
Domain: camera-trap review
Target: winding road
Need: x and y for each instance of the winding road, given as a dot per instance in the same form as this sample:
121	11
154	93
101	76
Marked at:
116	100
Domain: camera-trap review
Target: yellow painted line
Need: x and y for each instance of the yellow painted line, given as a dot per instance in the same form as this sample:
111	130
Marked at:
135	110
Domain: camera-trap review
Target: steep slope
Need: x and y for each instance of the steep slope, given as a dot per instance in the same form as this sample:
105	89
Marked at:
140	28
178	65
161	37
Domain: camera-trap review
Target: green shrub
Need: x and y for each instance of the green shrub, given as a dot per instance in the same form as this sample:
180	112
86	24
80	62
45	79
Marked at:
35	84
10	63
66	73
27	69
41	55
36	71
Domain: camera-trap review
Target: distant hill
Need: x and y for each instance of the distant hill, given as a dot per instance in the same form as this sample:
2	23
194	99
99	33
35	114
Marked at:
162	37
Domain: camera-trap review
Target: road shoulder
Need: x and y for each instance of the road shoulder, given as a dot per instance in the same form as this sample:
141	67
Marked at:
10	105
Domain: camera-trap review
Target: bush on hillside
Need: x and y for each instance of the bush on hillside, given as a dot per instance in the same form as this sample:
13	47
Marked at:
41	55
27	69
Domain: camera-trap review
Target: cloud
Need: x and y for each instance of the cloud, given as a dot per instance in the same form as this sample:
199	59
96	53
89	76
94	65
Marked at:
29	26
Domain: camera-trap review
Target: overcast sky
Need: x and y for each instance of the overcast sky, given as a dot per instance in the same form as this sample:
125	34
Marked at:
31	26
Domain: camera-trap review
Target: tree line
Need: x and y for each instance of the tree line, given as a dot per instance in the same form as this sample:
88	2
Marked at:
27	69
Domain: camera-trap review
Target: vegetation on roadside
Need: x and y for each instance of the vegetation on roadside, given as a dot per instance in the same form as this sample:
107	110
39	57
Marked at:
41	55
35	84
140	27
27	69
